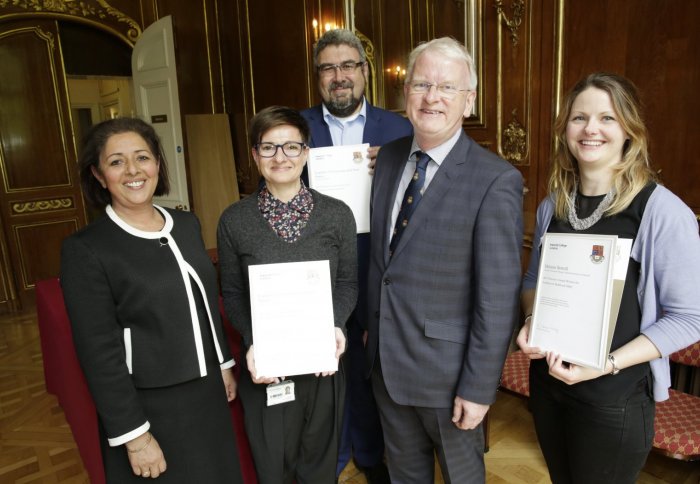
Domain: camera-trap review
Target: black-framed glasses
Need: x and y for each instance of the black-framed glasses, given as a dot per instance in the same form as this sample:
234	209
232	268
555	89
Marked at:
290	148
347	67
445	90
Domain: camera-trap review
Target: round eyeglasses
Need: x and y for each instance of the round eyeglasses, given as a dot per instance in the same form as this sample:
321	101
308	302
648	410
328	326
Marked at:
448	91
290	148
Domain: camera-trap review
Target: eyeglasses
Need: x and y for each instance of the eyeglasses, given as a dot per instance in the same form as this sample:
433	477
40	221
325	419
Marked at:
290	148
347	67
448	91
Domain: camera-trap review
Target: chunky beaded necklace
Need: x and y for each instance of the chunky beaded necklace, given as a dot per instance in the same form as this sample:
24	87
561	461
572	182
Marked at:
589	221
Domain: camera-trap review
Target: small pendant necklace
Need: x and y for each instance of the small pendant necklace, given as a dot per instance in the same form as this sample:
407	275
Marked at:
579	224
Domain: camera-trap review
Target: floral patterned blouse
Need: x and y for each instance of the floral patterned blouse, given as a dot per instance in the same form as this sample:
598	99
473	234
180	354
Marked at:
286	219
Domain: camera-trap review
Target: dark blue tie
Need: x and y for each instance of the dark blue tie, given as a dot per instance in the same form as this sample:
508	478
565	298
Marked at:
411	199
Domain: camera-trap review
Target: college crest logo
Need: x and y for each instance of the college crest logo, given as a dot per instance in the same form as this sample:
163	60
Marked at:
598	254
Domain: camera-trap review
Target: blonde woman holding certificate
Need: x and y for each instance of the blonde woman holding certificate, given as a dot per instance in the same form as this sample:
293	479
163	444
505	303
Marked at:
598	426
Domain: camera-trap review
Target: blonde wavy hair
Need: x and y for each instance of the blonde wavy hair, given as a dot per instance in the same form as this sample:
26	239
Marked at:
634	170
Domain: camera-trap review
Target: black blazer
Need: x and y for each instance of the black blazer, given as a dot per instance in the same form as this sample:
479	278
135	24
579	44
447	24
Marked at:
130	312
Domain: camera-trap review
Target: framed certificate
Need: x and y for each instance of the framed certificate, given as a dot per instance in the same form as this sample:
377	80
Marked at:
579	289
292	313
342	172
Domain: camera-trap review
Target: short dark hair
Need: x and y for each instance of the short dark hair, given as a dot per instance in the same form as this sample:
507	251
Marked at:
93	145
274	116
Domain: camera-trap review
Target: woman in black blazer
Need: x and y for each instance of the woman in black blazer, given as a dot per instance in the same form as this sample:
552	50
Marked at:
142	297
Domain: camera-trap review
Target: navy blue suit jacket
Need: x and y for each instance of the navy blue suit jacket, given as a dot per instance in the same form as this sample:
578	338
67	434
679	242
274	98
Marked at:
441	310
381	127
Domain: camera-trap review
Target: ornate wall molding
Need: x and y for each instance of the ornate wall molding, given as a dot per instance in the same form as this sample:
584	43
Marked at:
96	12
371	63
514	141
513	24
513	138
21	208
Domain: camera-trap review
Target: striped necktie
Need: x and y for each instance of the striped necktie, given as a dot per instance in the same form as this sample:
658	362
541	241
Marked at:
411	199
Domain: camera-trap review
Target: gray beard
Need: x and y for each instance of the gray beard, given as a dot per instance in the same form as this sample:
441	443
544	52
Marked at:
343	109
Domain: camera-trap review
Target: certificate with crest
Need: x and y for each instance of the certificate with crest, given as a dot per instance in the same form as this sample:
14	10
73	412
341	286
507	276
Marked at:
343	172
579	289
291	307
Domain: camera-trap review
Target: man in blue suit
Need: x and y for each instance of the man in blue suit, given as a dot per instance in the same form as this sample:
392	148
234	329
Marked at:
346	118
444	275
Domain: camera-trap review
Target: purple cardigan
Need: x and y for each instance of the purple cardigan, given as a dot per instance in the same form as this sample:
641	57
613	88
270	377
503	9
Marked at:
667	248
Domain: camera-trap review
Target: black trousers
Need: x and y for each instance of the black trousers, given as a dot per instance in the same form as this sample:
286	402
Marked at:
295	441
585	443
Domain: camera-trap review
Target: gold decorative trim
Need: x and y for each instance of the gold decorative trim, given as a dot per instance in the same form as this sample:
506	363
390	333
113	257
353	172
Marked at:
87	9
42	205
372	63
11	297
47	36
558	57
508	140
518	8
514	141
134	30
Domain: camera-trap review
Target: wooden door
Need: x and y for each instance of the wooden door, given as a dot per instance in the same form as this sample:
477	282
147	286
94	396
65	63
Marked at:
40	199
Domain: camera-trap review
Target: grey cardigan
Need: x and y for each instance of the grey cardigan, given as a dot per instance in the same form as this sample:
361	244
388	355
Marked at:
668	249
245	238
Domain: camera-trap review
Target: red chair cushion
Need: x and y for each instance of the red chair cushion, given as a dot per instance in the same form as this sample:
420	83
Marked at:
688	356
677	426
516	373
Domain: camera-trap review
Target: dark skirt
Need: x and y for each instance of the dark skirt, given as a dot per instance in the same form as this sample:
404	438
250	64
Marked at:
192	423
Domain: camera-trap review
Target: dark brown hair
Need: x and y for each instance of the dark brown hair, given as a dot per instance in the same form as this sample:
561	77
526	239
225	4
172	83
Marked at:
274	116
93	145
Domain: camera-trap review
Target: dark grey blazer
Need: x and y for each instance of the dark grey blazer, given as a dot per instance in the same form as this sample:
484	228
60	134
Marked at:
441	311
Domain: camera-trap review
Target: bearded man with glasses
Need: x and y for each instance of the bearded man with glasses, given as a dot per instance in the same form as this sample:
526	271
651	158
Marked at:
346	118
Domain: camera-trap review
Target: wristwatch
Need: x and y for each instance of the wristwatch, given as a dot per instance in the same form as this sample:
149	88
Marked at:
615	369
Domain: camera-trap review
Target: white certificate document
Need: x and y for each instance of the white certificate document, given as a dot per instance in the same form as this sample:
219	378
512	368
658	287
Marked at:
343	172
579	289
292	313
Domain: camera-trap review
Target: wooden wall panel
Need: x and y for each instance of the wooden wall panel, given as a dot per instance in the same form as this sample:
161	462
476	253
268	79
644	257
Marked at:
196	49
40	200
279	44
26	54
233	34
656	45
387	24
37	254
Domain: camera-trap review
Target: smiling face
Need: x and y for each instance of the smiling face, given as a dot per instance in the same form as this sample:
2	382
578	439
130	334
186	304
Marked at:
341	92
128	169
436	118
281	171
593	133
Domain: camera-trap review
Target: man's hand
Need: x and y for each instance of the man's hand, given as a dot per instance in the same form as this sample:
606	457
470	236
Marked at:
372	152
467	415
